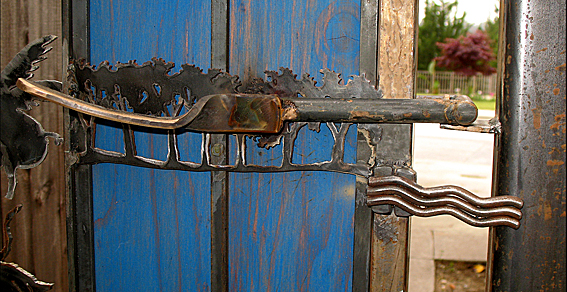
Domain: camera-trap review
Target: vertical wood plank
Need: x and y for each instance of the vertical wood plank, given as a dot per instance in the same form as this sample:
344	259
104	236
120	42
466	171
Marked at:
39	229
293	231
151	224
397	54
396	67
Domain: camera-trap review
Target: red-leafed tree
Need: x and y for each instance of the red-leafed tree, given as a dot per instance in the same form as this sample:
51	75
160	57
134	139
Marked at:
467	55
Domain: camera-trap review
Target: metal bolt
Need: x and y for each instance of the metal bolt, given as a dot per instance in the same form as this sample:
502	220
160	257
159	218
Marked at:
217	149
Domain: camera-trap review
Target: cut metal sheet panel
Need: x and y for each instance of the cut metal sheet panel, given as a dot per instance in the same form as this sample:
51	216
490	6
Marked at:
293	231
151	227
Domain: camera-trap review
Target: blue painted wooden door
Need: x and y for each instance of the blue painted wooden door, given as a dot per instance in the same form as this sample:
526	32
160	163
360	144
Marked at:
287	231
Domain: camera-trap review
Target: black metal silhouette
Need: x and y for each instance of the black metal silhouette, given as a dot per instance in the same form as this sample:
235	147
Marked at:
23	142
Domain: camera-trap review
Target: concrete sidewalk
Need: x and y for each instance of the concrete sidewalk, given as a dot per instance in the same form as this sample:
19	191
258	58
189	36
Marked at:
446	157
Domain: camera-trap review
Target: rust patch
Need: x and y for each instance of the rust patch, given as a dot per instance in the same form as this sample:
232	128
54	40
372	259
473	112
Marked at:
554	149
408	115
537	117
366	115
558	122
556	91
426	114
562	214
555	162
547	211
542	50
359	114
560	67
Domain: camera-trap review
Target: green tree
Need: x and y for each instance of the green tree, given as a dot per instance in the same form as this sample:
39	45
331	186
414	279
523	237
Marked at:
467	55
439	23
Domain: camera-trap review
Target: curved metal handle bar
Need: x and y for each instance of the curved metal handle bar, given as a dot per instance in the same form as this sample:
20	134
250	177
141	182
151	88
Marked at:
444	201
265	113
102	112
446	191
232	113
448	210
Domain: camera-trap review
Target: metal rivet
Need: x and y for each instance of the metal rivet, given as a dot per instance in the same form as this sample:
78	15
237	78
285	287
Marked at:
217	149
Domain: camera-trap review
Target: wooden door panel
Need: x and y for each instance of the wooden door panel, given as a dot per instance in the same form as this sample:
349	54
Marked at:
287	231
151	230
293	231
151	227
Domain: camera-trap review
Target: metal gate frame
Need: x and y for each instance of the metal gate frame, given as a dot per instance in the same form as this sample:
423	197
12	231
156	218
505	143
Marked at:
529	161
531	113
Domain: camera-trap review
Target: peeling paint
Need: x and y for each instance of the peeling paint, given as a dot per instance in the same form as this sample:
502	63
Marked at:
359	114
369	140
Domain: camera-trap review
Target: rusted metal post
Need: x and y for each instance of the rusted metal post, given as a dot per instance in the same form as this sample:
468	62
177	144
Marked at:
530	156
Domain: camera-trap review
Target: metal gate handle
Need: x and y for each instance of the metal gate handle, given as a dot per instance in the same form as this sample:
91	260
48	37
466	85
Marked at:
265	113
449	200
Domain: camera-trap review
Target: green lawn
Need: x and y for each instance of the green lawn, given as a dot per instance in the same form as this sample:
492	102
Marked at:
485	104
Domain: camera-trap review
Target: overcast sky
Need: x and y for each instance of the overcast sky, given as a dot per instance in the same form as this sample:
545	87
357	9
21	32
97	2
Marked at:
478	11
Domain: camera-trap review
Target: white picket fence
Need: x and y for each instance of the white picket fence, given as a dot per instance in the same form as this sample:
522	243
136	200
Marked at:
452	83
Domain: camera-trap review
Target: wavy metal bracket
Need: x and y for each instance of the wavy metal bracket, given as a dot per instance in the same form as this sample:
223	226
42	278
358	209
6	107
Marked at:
449	200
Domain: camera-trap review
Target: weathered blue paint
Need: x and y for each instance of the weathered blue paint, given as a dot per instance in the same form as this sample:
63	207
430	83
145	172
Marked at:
293	231
152	228
288	231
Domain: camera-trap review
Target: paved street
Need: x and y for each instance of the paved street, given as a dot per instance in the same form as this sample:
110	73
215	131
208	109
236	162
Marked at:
447	157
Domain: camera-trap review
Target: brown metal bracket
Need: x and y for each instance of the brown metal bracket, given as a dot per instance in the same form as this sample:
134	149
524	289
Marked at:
449	200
